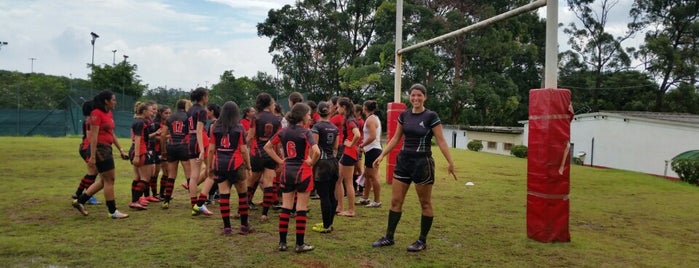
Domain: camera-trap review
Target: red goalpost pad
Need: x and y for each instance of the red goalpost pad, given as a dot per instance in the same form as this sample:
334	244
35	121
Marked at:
548	165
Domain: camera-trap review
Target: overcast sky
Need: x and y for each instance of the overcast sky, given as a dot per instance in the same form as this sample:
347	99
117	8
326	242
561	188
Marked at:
175	43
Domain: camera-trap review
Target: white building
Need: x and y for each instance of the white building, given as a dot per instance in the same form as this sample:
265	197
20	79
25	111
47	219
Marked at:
637	141
498	140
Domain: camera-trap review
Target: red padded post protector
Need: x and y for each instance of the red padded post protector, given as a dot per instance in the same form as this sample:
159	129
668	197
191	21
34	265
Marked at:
548	165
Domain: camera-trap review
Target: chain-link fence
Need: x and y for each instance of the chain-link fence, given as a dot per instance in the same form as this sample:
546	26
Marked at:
67	120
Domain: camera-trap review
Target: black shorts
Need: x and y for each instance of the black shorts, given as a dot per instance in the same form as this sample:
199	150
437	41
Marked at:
326	170
153	158
296	178
371	156
143	159
104	160
231	176
347	161
260	163
417	168
84	153
177	152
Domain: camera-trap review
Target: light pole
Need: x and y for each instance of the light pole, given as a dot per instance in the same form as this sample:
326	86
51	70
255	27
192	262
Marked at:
122	84
32	60
113	57
92	66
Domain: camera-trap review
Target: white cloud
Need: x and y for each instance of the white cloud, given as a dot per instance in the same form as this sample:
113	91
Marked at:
178	44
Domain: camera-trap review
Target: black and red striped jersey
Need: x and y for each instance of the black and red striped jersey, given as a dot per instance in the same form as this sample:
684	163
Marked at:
228	143
178	125
265	125
296	142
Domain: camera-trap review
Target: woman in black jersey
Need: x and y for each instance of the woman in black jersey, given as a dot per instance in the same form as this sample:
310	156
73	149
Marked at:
300	154
160	120
325	171
265	125
175	132
229	162
414	164
197	152
140	155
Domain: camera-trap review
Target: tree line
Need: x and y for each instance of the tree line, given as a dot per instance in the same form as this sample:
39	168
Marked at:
324	48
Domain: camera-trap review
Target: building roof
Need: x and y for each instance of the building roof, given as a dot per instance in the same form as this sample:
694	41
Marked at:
492	129
690	120
674	117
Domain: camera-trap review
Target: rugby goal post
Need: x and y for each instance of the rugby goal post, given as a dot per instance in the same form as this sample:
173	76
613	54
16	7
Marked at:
550	113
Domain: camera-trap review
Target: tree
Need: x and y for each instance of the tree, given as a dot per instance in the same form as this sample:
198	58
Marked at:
164	96
314	39
671	51
243	91
598	49
119	78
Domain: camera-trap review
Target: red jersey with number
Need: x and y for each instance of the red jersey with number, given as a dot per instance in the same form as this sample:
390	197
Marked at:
105	122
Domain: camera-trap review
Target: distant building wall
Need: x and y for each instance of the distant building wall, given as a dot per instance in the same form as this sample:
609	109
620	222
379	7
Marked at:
630	143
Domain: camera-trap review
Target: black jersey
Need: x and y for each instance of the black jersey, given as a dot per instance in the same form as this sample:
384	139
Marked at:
196	114
178	125
228	143
153	143
327	135
140	127
296	143
265	125
417	130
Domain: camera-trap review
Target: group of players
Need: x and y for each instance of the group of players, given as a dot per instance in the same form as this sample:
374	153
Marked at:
258	147
311	148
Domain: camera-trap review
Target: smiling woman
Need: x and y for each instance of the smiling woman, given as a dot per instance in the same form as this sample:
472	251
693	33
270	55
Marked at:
414	164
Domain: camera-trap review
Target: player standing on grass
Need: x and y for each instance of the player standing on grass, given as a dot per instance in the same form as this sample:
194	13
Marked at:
176	133
84	152
230	161
263	127
102	137
325	171
414	164
300	154
197	119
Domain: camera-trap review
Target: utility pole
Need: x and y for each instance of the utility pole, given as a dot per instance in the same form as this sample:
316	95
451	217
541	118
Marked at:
32	59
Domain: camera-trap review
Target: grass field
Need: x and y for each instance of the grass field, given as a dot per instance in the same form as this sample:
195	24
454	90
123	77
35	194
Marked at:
617	219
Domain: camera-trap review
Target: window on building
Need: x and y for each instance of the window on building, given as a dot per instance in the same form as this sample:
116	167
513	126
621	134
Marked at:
492	145
508	146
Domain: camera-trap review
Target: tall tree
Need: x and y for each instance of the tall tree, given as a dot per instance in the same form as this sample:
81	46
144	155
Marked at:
599	49
671	50
120	78
314	39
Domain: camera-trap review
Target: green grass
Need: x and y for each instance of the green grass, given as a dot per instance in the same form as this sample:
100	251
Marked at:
617	219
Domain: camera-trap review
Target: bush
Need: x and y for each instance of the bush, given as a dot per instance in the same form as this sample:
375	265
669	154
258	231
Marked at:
475	145
519	151
687	169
